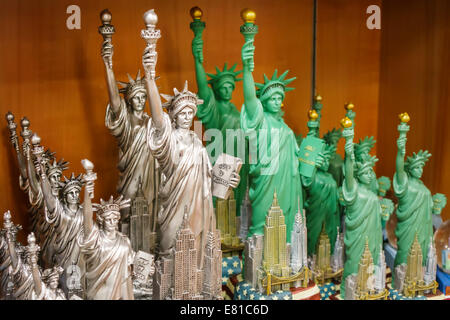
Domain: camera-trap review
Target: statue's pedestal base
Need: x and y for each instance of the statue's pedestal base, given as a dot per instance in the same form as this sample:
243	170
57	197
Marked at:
244	291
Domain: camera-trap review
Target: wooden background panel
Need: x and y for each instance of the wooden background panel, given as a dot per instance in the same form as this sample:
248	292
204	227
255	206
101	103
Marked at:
415	64
55	76
348	56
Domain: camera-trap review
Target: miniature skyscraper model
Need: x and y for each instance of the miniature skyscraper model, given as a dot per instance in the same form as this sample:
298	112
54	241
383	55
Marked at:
212	285
299	249
253	253
364	285
416	281
276	258
188	279
142	234
245	219
227	224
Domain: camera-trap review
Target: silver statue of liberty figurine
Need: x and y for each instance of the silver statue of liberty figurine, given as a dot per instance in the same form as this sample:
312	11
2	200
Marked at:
106	251
128	122
184	161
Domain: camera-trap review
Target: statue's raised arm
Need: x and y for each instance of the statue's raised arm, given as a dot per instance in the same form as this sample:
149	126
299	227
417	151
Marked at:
403	128
348	134
197	26
250	98
107	30
149	60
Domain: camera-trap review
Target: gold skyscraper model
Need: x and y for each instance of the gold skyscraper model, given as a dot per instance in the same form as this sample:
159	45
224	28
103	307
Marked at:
227	224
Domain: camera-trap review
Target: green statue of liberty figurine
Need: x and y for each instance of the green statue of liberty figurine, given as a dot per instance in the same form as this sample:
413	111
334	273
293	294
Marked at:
363	207
321	201
217	111
415	203
276	166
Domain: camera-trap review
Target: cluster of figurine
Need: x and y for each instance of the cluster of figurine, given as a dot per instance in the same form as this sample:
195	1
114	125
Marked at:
294	223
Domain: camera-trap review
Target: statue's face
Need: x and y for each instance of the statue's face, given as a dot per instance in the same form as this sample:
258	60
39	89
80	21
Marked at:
184	118
53	283
111	222
73	196
366	176
273	104
334	140
138	101
54	180
225	91
417	171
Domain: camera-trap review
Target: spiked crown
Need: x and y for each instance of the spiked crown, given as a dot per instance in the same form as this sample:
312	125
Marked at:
73	182
417	158
368	162
111	205
274	85
129	89
224	76
52	273
363	148
333	133
180	100
57	167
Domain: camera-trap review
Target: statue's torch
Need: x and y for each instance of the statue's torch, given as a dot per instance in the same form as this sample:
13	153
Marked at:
151	36
12	131
403	127
197	25
32	247
348	133
90	175
313	124
350	113
249	29
106	29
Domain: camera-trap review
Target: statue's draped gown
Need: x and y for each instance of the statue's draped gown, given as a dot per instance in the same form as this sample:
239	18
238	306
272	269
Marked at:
362	222
108	265
415	205
321	206
215	115
185	182
275	170
5	262
135	159
66	226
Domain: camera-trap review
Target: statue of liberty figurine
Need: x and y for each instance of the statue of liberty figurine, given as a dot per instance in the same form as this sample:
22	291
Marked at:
276	166
415	203
128	122
331	138
321	202
363	207
217	111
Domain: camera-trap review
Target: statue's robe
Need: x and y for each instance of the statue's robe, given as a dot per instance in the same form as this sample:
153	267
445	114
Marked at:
321	206
275	168
108	265
215	115
66	226
362	222
185	182
415	206
135	160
